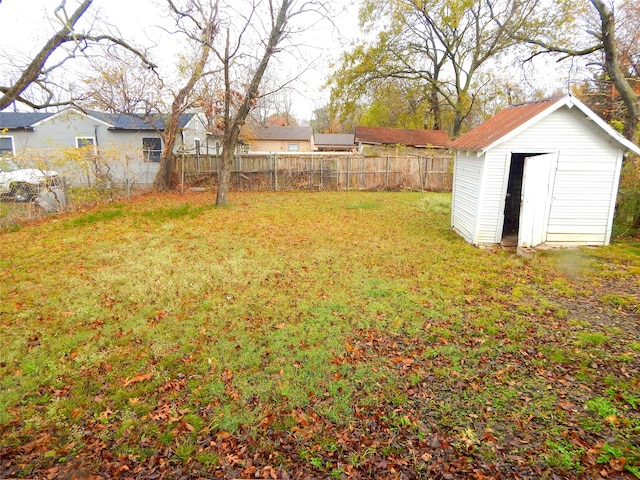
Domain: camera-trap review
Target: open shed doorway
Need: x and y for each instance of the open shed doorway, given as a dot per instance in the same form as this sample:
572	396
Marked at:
513	199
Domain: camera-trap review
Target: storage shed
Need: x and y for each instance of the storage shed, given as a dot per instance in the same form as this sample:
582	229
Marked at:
538	173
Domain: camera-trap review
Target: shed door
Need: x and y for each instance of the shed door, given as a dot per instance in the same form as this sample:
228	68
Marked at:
537	189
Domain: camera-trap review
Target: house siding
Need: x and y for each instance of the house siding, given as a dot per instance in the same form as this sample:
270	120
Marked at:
279	145
196	129
466	192
585	184
122	148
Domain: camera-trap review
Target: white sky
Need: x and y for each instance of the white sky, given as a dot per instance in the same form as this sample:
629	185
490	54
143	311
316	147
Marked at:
27	26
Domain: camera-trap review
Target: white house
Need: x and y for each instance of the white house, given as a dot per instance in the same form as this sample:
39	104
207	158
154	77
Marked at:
542	173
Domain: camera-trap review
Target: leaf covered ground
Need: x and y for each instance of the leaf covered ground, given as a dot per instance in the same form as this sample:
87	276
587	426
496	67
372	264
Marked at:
311	335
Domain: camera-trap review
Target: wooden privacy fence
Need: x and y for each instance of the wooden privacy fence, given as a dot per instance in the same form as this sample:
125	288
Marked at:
321	171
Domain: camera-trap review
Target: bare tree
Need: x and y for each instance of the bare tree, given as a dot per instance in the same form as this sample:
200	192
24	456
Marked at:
251	34
199	21
227	51
280	17
121	85
39	69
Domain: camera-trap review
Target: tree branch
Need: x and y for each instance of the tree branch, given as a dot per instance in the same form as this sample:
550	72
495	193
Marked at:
66	34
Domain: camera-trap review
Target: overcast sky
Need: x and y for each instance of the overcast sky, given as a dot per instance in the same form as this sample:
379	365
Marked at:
27	25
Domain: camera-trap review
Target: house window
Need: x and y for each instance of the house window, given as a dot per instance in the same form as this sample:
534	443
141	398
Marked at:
294	147
6	146
242	148
152	149
196	143
85	141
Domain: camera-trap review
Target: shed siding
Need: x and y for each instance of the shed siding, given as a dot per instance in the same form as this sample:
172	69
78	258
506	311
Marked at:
466	192
585	184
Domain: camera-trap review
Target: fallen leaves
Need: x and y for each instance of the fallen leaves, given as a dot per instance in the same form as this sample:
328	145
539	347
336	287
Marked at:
443	373
137	379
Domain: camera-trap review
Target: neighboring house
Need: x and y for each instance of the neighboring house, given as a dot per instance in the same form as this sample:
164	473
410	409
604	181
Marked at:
380	136
542	173
279	139
129	146
334	142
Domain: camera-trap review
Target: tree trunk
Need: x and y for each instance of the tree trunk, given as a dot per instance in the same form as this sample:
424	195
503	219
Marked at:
458	119
163	180
233	125
224	177
435	109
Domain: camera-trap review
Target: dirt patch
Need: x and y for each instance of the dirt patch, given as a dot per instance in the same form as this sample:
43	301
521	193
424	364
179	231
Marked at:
614	302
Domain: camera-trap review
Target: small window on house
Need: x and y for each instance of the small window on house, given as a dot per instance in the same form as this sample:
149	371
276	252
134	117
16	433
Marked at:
196	143
152	149
243	148
294	147
85	141
6	146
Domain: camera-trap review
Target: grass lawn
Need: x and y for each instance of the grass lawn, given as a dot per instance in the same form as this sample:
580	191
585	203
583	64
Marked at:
311	335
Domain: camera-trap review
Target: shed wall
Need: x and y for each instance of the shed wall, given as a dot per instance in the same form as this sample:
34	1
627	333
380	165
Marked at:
467	178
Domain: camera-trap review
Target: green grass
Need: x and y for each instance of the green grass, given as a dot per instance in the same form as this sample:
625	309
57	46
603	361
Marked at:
318	334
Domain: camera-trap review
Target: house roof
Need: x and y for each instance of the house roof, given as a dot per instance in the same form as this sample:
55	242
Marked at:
396	136
279	133
116	121
123	121
513	120
21	120
339	140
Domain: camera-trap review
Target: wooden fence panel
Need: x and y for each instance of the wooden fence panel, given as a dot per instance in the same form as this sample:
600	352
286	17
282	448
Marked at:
321	172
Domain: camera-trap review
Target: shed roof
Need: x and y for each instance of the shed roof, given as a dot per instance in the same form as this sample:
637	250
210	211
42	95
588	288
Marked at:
279	133
344	140
513	120
397	136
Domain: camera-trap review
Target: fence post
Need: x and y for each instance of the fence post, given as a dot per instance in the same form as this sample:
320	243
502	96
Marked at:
311	173
182	174
275	171
349	172
386	179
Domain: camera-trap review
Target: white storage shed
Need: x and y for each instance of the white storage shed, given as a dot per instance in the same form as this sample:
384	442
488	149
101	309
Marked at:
545	172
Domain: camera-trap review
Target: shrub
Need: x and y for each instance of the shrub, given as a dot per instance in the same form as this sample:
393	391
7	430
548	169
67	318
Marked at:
627	221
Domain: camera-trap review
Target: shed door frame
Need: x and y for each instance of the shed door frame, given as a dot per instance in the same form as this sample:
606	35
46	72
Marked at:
537	192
